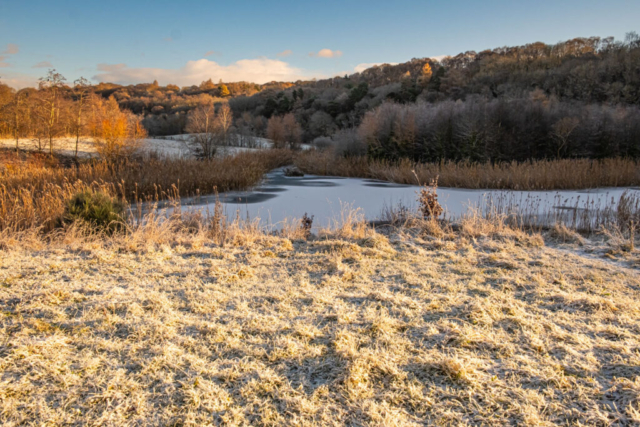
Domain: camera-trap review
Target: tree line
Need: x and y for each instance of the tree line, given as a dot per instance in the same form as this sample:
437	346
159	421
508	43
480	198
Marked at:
576	98
56	109
165	108
484	129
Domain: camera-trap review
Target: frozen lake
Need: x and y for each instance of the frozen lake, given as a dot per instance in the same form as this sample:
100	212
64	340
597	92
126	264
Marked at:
280	197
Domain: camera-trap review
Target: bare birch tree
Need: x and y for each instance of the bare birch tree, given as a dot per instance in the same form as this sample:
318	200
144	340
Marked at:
201	124
81	92
49	100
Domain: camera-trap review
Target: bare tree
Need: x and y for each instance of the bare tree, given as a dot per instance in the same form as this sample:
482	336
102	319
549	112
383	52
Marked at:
292	131
201	124
224	121
6	98
276	132
6	94
259	125
117	134
14	115
562	130
244	131
81	92
49	100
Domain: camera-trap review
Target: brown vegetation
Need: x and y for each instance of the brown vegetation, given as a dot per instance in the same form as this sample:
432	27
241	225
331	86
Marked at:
56	110
535	175
577	98
209	128
183	318
117	134
284	131
428	200
33	192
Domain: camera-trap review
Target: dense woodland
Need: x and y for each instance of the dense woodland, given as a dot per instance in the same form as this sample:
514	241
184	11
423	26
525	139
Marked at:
578	98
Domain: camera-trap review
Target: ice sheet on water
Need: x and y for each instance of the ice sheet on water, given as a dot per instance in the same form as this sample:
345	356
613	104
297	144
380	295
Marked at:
280	197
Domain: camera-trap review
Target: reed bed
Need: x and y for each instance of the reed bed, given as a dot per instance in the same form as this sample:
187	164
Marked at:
596	214
33	192
562	174
588	216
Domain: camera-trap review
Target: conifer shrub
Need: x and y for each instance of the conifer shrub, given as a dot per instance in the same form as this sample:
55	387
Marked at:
95	208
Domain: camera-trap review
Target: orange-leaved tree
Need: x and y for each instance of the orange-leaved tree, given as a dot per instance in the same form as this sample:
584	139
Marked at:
117	134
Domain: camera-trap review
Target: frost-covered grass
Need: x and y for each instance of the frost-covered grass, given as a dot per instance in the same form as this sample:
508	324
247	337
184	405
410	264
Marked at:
414	325
66	146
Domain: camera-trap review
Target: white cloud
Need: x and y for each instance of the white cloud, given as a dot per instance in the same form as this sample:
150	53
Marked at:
326	53
18	80
2	63
43	64
12	49
285	53
439	57
361	67
259	70
212	52
111	67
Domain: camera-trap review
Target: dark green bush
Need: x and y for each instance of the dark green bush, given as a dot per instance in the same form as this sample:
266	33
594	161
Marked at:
97	209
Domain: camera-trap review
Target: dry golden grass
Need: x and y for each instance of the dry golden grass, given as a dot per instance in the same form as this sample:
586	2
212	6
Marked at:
536	175
411	326
34	190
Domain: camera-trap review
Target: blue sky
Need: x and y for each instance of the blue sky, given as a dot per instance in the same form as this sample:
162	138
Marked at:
183	42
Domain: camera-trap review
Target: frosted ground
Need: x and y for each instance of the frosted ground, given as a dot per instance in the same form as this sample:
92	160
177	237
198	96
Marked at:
86	149
173	145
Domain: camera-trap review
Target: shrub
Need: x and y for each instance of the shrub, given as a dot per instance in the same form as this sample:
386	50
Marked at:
306	224
429	205
95	208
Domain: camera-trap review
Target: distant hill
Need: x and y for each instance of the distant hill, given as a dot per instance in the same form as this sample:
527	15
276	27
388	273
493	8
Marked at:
575	98
594	69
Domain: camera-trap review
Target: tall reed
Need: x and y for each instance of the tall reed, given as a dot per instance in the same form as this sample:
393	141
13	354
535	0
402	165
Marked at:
33	193
534	175
595	213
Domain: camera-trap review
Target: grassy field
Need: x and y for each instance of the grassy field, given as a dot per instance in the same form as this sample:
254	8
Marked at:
178	323
194	320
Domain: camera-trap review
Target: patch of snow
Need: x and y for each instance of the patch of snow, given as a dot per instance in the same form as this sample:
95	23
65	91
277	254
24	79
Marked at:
172	146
